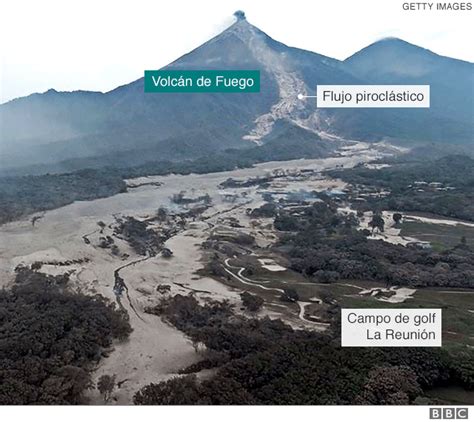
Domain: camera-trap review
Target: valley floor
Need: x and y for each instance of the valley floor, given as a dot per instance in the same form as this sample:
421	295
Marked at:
155	350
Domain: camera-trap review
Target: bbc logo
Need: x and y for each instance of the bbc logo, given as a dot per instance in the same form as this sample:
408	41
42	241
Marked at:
449	413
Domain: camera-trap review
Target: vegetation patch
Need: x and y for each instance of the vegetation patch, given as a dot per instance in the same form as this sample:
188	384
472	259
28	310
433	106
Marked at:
50	338
267	362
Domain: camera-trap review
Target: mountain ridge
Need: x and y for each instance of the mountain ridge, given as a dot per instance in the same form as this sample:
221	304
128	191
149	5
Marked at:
56	126
401	41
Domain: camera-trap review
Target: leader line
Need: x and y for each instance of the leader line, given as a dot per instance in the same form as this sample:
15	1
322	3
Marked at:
301	96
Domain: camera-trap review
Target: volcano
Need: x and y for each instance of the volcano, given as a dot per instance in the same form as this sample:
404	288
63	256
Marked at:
126	126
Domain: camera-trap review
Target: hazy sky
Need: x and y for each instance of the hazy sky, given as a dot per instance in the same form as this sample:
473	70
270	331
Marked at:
98	45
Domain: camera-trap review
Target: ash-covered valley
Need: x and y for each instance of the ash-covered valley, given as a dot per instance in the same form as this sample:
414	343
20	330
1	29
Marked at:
232	271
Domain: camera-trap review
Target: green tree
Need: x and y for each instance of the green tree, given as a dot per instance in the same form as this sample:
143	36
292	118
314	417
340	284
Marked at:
392	385
252	303
377	222
397	217
106	386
